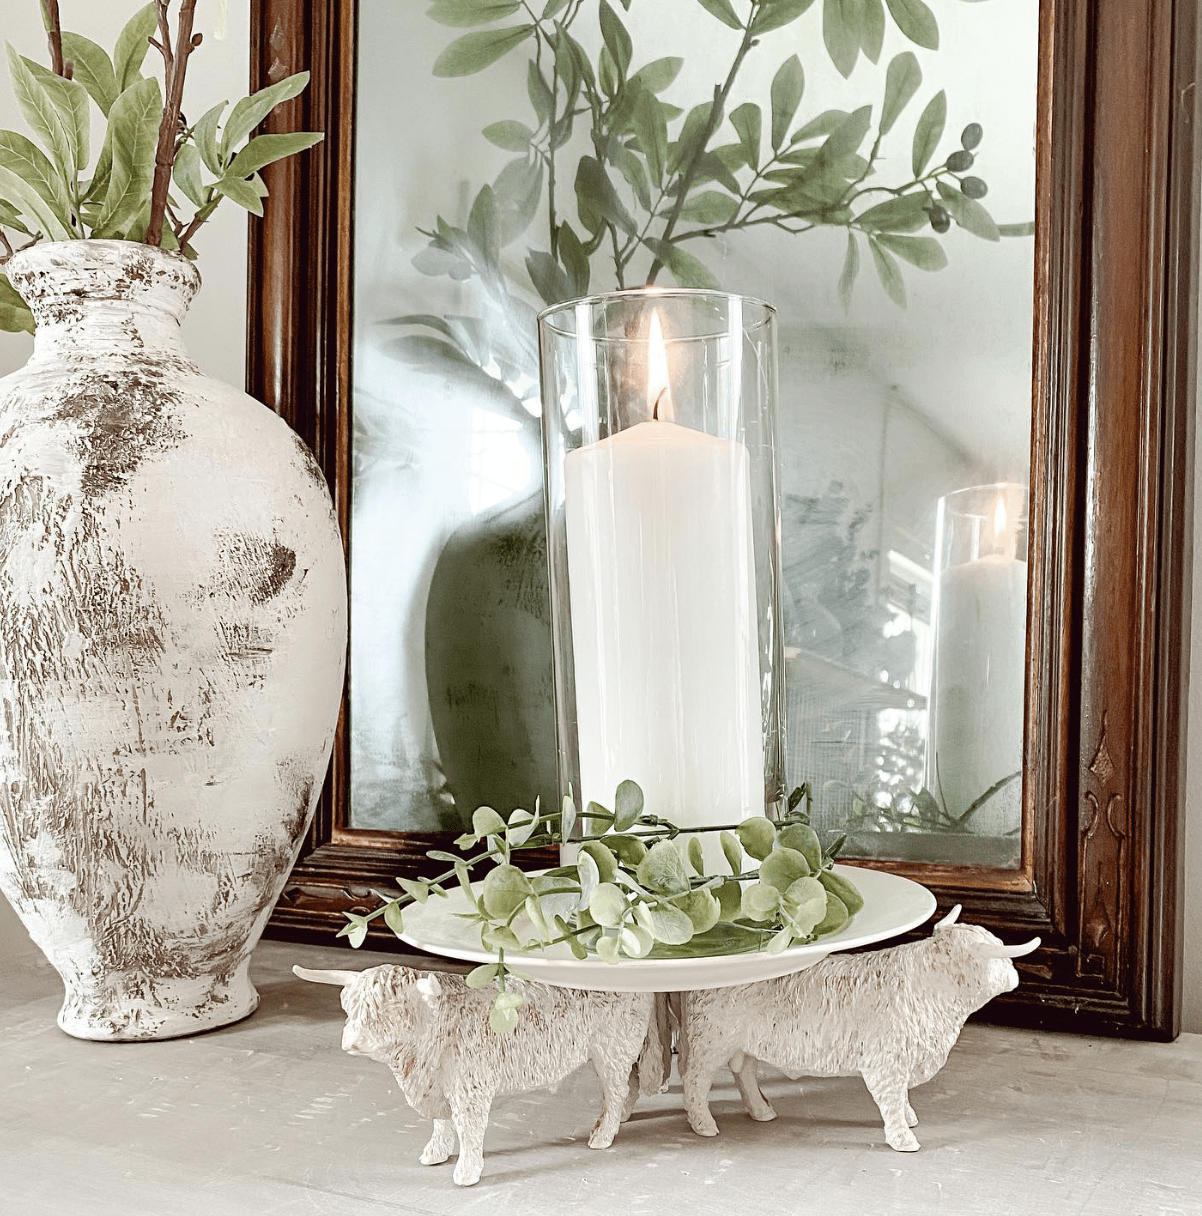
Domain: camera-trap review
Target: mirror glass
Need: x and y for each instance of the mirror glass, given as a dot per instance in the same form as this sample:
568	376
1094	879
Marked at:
874	181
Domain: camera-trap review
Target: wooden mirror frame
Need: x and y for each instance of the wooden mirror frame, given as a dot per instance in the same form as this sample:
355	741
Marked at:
1115	333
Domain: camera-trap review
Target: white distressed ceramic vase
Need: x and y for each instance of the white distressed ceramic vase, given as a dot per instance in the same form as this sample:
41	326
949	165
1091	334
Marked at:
172	640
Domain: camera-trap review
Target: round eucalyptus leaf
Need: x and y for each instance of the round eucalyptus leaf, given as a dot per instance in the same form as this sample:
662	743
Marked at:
730	899
537	919
628	805
780	943
782	867
505	890
670	925
482	976
836	916
804	905
804	839
486	822
759	901
607	905
696	854
590	876
500	937
520	828
636	942
757	835
607	864
663	869
503	1016
607	948
393	918
630	849
415	889
733	851
574	943
701	907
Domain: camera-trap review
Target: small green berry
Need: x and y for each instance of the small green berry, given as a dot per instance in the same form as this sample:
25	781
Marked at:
941	221
960	162
971	136
973	187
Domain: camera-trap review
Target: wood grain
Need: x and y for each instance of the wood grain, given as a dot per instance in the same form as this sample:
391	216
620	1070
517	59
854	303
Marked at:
1112	427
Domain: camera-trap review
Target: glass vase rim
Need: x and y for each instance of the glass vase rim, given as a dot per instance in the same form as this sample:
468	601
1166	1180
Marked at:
948	499
544	318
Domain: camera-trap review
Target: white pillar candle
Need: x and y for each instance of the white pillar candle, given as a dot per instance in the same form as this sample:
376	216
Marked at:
980	650
663	605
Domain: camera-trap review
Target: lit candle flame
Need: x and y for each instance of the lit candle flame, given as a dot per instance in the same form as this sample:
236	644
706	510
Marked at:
999	517
659	392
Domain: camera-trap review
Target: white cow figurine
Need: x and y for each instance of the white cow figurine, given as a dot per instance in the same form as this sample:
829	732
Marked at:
432	1030
892	1016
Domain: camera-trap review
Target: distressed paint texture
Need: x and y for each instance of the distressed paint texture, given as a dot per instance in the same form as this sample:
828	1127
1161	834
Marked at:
172	640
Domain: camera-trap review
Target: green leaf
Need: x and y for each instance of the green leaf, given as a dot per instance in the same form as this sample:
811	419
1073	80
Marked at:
483	227
968	213
658	74
575	262
355	931
616	38
204	132
651	131
922	251
134	134
747	120
552	7
803	838
505	890
663	869
803	905
787	87
267	149
394	918
760	901
415	889
701	907
872	28
669	925
548	277
132	45
901	83
24	158
823	125
757	835
906	213
251	111
929	132
43	114
518	188
596	199
844	140
733	852
70	98
841	33
508	134
687	270
240	191
696	854
772	14
15	317
630	849
846	890
471	12
888	272
607	864
186	174
724	11
93	68
589	876
710	207
503	1016
1027	229
607	906
482	976
916	21
782	867
474	52
541	97
730	899
607	947
486	822
636	942
693	134
537	919
835	918
851	268
520	827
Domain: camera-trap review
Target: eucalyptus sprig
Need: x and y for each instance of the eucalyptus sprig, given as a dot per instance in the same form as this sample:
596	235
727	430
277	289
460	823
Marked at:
639	887
46	189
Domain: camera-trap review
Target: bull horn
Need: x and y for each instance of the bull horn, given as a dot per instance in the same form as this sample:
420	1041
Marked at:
1015	951
950	919
338	978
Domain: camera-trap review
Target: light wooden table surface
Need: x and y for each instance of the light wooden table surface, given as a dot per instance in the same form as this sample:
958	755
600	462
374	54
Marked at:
270	1118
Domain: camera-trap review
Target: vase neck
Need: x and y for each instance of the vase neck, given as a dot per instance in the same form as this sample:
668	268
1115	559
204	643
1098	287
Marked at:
94	300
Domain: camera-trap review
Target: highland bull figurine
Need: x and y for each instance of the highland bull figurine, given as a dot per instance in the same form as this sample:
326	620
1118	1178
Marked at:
433	1032
890	1016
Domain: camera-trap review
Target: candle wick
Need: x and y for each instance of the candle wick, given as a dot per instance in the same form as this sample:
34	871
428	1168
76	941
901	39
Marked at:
655	407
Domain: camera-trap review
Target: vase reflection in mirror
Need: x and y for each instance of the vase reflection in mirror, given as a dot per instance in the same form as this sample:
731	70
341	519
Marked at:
975	753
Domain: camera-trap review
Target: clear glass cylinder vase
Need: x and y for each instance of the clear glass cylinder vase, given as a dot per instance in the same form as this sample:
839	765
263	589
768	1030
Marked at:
663	519
975	748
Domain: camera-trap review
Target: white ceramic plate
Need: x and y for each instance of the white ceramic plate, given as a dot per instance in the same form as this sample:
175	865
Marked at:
892	905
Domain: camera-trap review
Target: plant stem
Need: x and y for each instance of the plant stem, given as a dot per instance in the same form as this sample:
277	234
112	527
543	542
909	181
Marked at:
54	38
175	61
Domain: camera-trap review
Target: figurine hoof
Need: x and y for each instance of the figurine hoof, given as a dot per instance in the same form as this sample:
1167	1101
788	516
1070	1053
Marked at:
766	1115
466	1177
600	1140
432	1157
706	1129
911	1117
905	1144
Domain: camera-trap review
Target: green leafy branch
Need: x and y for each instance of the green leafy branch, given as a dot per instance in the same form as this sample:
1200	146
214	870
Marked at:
46	191
901	809
638	888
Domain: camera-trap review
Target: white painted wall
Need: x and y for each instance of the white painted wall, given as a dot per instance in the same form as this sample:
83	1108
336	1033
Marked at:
216	325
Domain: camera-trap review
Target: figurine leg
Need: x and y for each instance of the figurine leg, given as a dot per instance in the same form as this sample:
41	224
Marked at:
442	1143
911	1117
698	1076
889	1092
632	1094
615	1092
745	1071
469	1115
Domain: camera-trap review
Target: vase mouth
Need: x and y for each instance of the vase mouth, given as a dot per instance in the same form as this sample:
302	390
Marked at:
56	277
